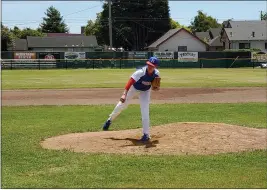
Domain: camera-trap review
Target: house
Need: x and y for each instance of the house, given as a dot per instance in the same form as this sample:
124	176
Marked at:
205	36
66	34
178	39
212	37
19	45
56	43
62	34
62	43
245	35
216	44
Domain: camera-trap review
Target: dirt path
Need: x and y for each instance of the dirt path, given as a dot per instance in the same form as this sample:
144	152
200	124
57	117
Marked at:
111	96
172	139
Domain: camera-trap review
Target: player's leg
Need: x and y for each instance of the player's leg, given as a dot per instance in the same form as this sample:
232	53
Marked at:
120	107
144	104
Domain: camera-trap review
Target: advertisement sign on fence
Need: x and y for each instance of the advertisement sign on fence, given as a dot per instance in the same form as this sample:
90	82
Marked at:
137	55
164	55
258	57
25	57
74	55
187	56
50	57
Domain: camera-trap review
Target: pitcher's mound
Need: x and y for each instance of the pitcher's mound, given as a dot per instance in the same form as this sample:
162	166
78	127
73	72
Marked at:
171	139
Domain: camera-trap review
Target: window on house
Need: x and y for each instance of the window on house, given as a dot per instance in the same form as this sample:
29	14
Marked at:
265	45
182	48
244	45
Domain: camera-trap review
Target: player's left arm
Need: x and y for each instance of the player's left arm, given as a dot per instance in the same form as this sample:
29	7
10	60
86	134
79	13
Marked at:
156	82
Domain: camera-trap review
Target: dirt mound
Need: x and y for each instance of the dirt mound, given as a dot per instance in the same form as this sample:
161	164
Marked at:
170	139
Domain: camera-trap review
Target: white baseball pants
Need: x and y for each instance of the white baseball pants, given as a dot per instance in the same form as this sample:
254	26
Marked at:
144	97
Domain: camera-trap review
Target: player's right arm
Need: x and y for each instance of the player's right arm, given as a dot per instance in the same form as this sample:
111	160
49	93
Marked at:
135	77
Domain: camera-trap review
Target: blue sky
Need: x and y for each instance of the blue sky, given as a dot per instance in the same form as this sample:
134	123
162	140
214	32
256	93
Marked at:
76	14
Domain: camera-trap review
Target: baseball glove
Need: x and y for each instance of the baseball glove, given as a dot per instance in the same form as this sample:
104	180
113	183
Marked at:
156	83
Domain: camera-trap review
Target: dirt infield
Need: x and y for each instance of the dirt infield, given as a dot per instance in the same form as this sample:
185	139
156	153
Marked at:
172	139
111	96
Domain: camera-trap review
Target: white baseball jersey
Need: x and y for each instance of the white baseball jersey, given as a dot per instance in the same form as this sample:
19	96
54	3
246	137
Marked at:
143	79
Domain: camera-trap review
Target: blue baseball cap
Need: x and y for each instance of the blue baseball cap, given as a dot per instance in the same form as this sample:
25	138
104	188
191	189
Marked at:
153	61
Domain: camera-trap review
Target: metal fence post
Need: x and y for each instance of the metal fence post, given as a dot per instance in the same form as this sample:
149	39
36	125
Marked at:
120	63
39	64
11	64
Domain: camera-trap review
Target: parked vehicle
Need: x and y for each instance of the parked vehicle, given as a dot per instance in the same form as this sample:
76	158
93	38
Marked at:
263	65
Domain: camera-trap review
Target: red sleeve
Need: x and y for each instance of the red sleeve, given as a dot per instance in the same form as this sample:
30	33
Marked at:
129	83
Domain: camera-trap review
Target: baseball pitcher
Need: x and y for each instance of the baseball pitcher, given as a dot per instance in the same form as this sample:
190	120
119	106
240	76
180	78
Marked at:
141	82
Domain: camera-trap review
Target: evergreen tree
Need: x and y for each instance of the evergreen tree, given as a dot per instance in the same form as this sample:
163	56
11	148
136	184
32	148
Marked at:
53	22
263	15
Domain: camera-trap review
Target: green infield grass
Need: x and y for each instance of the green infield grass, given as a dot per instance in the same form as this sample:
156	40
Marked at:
26	165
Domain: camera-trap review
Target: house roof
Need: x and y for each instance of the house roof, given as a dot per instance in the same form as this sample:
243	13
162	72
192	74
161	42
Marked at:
203	35
62	41
242	30
20	45
170	34
216	41
215	31
163	38
62	34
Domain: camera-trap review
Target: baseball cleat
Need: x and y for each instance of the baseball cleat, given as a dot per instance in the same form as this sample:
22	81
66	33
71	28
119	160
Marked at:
106	125
145	138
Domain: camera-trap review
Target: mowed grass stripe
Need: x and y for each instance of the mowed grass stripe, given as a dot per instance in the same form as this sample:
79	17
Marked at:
116	78
26	165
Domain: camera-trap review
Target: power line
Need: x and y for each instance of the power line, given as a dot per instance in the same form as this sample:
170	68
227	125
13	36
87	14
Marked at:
81	10
115	18
32	22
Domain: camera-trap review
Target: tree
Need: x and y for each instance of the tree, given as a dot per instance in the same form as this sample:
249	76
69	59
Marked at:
22	34
53	22
16	32
90	28
93	28
202	22
175	24
136	24
6	37
263	16
30	32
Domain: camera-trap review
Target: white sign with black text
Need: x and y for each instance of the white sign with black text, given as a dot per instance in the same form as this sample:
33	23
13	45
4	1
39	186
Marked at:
187	56
164	55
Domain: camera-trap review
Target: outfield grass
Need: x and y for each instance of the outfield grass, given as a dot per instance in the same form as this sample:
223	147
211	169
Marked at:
26	165
111	78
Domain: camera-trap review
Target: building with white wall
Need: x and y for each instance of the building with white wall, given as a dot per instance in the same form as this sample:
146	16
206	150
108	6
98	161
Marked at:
180	40
245	35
